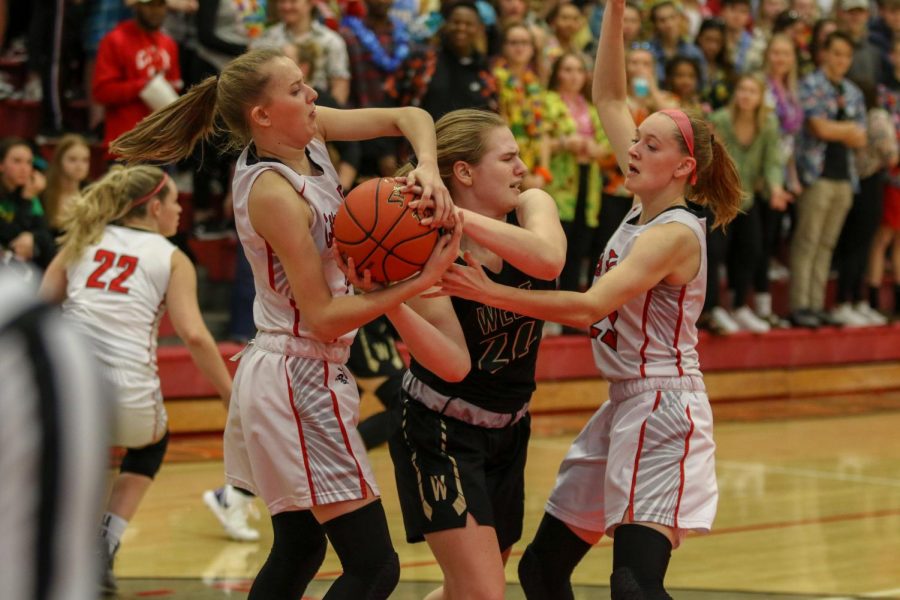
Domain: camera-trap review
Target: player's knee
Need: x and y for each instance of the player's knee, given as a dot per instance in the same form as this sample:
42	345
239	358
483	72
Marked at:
640	560
145	461
363	544
531	576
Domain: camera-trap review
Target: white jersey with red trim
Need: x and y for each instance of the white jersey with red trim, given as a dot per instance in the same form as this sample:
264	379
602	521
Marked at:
274	309
116	294
653	334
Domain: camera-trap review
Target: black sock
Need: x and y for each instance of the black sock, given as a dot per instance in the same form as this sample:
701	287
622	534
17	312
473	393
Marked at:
363	543
874	296
547	564
640	560
295	557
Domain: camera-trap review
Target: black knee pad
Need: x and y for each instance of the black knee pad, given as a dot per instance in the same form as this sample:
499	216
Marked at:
640	560
147	460
363	544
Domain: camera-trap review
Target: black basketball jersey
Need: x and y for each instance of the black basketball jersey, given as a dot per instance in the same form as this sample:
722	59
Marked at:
503	347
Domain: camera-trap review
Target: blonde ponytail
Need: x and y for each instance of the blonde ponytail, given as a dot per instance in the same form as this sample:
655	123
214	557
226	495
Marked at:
109	200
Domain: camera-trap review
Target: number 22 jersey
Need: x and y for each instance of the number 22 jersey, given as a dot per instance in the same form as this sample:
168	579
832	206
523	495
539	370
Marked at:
116	294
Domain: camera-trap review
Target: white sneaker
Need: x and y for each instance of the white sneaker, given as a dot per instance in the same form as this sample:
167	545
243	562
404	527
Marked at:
748	321
778	272
722	322
232	508
846	316
874	317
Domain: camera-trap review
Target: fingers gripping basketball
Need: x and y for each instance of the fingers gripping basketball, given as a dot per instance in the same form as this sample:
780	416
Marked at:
376	227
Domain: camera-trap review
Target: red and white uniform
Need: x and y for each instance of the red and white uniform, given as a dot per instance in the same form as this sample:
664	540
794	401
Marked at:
116	297
647	454
291	434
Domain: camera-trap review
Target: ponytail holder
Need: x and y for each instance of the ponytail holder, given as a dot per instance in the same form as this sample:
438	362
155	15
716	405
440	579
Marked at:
146	197
687	132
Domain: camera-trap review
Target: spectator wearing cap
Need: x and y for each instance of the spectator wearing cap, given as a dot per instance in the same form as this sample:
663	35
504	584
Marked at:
668	39
129	57
835	124
852	19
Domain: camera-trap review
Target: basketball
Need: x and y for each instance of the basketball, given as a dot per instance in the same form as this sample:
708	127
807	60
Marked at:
376	227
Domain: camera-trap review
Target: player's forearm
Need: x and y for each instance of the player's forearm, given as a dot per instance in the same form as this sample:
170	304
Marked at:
205	353
575	309
430	346
523	249
418	127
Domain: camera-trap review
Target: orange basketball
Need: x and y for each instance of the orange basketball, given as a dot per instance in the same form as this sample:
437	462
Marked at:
376	227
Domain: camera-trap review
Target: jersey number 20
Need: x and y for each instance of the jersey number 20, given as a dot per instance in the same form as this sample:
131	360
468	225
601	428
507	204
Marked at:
126	265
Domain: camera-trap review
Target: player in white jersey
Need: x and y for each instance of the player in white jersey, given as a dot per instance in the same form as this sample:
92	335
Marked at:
642	469
115	275
291	435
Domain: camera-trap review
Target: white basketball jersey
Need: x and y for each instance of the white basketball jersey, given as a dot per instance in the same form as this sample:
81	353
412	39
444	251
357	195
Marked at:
116	294
653	334
274	309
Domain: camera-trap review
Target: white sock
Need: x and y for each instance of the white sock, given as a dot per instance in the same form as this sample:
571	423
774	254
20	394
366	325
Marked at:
112	527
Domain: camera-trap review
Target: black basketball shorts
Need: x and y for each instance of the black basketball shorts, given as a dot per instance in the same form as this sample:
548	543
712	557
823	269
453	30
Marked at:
447	469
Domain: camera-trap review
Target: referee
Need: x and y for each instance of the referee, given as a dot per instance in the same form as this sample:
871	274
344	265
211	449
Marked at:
54	429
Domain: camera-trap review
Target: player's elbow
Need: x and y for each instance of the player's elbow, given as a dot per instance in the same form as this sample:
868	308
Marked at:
456	371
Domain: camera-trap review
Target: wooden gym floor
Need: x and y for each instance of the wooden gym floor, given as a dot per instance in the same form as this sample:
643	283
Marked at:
809	508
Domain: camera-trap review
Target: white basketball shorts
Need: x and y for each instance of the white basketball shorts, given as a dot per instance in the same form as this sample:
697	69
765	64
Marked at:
140	415
647	455
291	435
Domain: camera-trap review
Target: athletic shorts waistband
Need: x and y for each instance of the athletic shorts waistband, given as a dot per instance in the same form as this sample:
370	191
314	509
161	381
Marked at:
458	408
290	345
623	390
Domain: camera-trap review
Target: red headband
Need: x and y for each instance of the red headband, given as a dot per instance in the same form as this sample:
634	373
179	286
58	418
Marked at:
148	196
687	132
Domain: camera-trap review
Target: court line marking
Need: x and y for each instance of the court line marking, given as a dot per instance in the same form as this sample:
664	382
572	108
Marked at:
883	594
811	473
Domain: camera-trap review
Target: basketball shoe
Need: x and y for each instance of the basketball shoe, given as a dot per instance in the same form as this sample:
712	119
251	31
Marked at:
232	509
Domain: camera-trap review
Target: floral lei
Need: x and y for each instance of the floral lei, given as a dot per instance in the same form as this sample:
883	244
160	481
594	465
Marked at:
370	42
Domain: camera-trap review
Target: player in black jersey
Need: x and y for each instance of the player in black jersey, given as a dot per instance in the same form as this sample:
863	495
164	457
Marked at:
459	453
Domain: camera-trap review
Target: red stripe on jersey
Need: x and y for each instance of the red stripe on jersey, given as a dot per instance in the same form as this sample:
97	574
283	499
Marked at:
337	413
270	261
309	479
678	330
644	331
637	459
296	317
687	447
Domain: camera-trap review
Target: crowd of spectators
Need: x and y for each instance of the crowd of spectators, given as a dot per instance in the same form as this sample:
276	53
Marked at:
804	93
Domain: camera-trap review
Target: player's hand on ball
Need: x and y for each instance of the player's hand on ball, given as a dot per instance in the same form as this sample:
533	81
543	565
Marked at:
348	268
427	176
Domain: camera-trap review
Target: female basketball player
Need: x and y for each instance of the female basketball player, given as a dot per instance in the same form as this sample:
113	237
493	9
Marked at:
291	436
115	275
459	456
642	468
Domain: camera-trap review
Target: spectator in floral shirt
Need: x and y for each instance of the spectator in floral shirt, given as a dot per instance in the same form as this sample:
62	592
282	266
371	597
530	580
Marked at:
835	124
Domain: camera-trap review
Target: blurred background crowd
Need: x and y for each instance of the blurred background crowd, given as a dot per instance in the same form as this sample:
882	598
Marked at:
804	93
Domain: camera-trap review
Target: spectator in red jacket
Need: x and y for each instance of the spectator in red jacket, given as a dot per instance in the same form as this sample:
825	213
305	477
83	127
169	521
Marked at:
129	57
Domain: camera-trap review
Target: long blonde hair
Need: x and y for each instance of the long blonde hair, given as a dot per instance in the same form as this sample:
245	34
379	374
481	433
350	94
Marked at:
761	116
215	104
461	135
51	199
109	200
